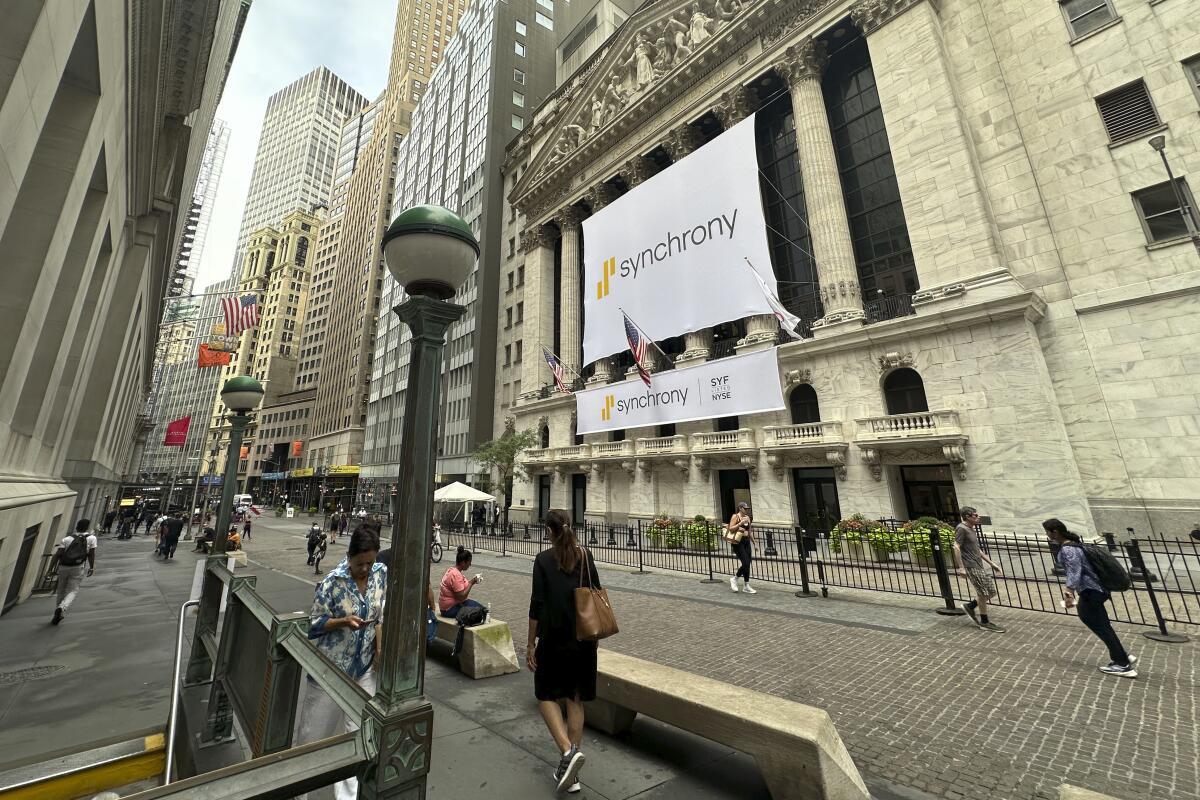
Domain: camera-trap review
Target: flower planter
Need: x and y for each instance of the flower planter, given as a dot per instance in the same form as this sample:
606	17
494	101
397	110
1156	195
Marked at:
926	561
859	551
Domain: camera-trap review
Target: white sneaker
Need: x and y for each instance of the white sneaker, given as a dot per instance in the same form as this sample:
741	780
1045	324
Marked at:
733	584
749	590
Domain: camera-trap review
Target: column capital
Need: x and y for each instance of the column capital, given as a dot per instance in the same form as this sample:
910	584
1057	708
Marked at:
636	170
871	15
735	105
803	62
683	141
569	217
535	237
601	195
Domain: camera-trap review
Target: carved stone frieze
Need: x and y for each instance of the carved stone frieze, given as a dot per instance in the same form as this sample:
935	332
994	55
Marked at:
601	195
683	141
735	105
803	62
798	376
871	15
792	18
895	360
537	236
569	217
636	170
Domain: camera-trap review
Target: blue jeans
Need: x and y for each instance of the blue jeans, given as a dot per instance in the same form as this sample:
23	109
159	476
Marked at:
452	612
431	627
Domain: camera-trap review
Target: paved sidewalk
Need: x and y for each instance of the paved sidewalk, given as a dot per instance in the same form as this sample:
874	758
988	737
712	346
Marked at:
922	701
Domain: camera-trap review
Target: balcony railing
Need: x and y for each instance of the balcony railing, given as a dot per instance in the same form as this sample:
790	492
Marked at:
741	439
538	455
809	433
662	445
892	307
922	425
572	453
612	449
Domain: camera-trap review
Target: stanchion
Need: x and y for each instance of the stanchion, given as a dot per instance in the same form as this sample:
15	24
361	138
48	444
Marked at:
805	591
591	533
629	528
1138	571
770	550
939	563
709	546
525	525
1162	634
641	570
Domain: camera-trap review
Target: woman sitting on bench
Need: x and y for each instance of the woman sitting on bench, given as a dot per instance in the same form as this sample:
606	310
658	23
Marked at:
455	586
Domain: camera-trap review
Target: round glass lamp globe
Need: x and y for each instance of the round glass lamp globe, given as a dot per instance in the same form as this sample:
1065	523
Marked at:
241	393
430	250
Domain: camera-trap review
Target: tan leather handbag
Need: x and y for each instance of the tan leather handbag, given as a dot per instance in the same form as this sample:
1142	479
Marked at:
594	615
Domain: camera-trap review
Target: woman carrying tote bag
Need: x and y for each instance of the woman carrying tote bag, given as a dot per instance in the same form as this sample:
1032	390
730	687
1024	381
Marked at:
564	668
737	533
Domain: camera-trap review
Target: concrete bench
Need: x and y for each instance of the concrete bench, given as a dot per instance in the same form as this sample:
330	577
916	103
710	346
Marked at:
487	649
796	746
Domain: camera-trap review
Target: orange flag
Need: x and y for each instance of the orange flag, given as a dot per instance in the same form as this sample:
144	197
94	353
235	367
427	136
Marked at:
212	358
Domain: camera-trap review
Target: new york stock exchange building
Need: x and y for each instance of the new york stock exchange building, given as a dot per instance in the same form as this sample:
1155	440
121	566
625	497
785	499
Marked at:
966	206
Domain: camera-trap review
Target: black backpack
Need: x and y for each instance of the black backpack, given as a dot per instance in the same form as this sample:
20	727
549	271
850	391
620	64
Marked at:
471	616
1109	572
75	553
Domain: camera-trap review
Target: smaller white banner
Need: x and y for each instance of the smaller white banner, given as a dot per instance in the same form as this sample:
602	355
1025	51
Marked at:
726	387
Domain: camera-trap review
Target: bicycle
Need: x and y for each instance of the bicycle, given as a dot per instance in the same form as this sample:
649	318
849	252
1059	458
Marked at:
435	547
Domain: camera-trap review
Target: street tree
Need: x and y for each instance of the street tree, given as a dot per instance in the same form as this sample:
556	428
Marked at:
501	454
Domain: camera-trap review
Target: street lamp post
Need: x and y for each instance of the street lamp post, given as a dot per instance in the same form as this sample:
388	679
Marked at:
241	395
430	252
1159	143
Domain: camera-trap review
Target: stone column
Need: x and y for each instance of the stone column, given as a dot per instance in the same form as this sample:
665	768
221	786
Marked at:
537	243
570	308
598	197
683	141
733	107
802	66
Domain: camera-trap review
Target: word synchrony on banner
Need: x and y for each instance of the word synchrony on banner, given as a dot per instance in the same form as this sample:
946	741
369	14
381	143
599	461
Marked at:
672	251
745	384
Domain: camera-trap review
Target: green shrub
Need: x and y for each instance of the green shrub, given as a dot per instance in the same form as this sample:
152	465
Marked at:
699	535
857	528
916	534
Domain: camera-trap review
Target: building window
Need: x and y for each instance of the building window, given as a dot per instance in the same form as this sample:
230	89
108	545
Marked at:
519	48
510	281
518	100
802	403
518	122
543	20
507	355
1158	208
1191	68
1127	112
904	392
512	249
520	28
517	358
508	318
1085	16
518	76
521	275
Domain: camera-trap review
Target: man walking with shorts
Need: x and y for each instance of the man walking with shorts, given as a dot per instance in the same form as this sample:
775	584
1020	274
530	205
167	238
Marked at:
972	565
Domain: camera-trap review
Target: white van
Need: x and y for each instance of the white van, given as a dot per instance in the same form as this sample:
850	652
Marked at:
240	500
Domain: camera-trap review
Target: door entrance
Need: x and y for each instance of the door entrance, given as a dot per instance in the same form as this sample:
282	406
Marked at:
18	576
734	485
578	500
817	506
929	492
543	497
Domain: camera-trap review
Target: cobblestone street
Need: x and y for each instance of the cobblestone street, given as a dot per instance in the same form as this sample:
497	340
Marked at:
922	701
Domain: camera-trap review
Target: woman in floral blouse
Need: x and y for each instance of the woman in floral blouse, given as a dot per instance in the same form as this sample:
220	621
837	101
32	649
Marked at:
344	624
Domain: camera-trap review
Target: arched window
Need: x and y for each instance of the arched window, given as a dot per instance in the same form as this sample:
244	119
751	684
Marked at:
904	392
803	404
545	436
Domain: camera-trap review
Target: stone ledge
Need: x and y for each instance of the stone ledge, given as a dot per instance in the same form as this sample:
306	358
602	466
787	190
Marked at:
1141	292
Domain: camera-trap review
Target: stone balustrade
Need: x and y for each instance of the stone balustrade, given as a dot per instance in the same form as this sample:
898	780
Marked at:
921	425
662	445
803	434
741	439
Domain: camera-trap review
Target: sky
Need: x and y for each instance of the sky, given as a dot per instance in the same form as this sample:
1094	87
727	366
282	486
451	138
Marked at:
283	40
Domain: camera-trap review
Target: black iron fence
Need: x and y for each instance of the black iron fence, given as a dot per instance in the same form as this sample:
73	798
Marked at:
1165	572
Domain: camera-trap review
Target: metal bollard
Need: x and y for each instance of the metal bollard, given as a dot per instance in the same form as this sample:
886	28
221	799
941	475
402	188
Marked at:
770	550
641	570
525	525
943	576
612	536
1162	634
800	543
591	533
631	542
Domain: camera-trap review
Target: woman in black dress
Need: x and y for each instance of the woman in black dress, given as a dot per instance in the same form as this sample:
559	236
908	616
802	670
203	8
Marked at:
564	669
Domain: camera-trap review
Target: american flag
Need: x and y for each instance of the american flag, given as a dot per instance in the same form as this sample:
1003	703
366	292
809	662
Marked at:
556	366
637	346
240	313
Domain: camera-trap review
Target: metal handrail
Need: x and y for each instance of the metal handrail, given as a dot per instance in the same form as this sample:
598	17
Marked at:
349	696
173	717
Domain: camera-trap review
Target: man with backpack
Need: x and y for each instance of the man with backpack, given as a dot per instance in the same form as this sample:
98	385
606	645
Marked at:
1092	574
75	553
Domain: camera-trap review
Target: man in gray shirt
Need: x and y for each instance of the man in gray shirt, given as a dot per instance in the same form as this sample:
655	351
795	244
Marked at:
972	559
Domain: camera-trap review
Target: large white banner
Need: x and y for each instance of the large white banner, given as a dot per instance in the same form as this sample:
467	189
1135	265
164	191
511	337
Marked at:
673	251
727	386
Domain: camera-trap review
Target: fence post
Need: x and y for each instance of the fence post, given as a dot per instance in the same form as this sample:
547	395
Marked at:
641	570
503	547
805	591
770	550
709	545
1110	541
1138	569
939	563
1162	634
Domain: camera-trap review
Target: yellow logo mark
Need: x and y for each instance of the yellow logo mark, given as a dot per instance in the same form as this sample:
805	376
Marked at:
606	412
609	270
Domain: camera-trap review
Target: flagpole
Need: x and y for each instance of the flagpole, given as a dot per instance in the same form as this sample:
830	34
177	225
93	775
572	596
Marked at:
565	364
648	338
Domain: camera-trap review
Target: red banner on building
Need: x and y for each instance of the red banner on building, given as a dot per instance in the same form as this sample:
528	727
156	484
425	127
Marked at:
177	432
245	451
212	358
297	448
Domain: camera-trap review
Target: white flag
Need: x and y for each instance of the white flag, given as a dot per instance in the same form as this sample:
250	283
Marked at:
787	320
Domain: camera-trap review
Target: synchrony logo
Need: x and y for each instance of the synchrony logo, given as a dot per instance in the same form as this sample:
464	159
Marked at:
673	244
606	412
647	400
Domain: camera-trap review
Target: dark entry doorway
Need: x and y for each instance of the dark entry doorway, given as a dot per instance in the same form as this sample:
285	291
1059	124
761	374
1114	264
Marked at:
578	500
929	492
734	485
18	576
543	496
817	506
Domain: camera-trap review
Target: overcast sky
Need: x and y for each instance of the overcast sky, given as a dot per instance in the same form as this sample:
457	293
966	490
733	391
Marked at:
283	40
